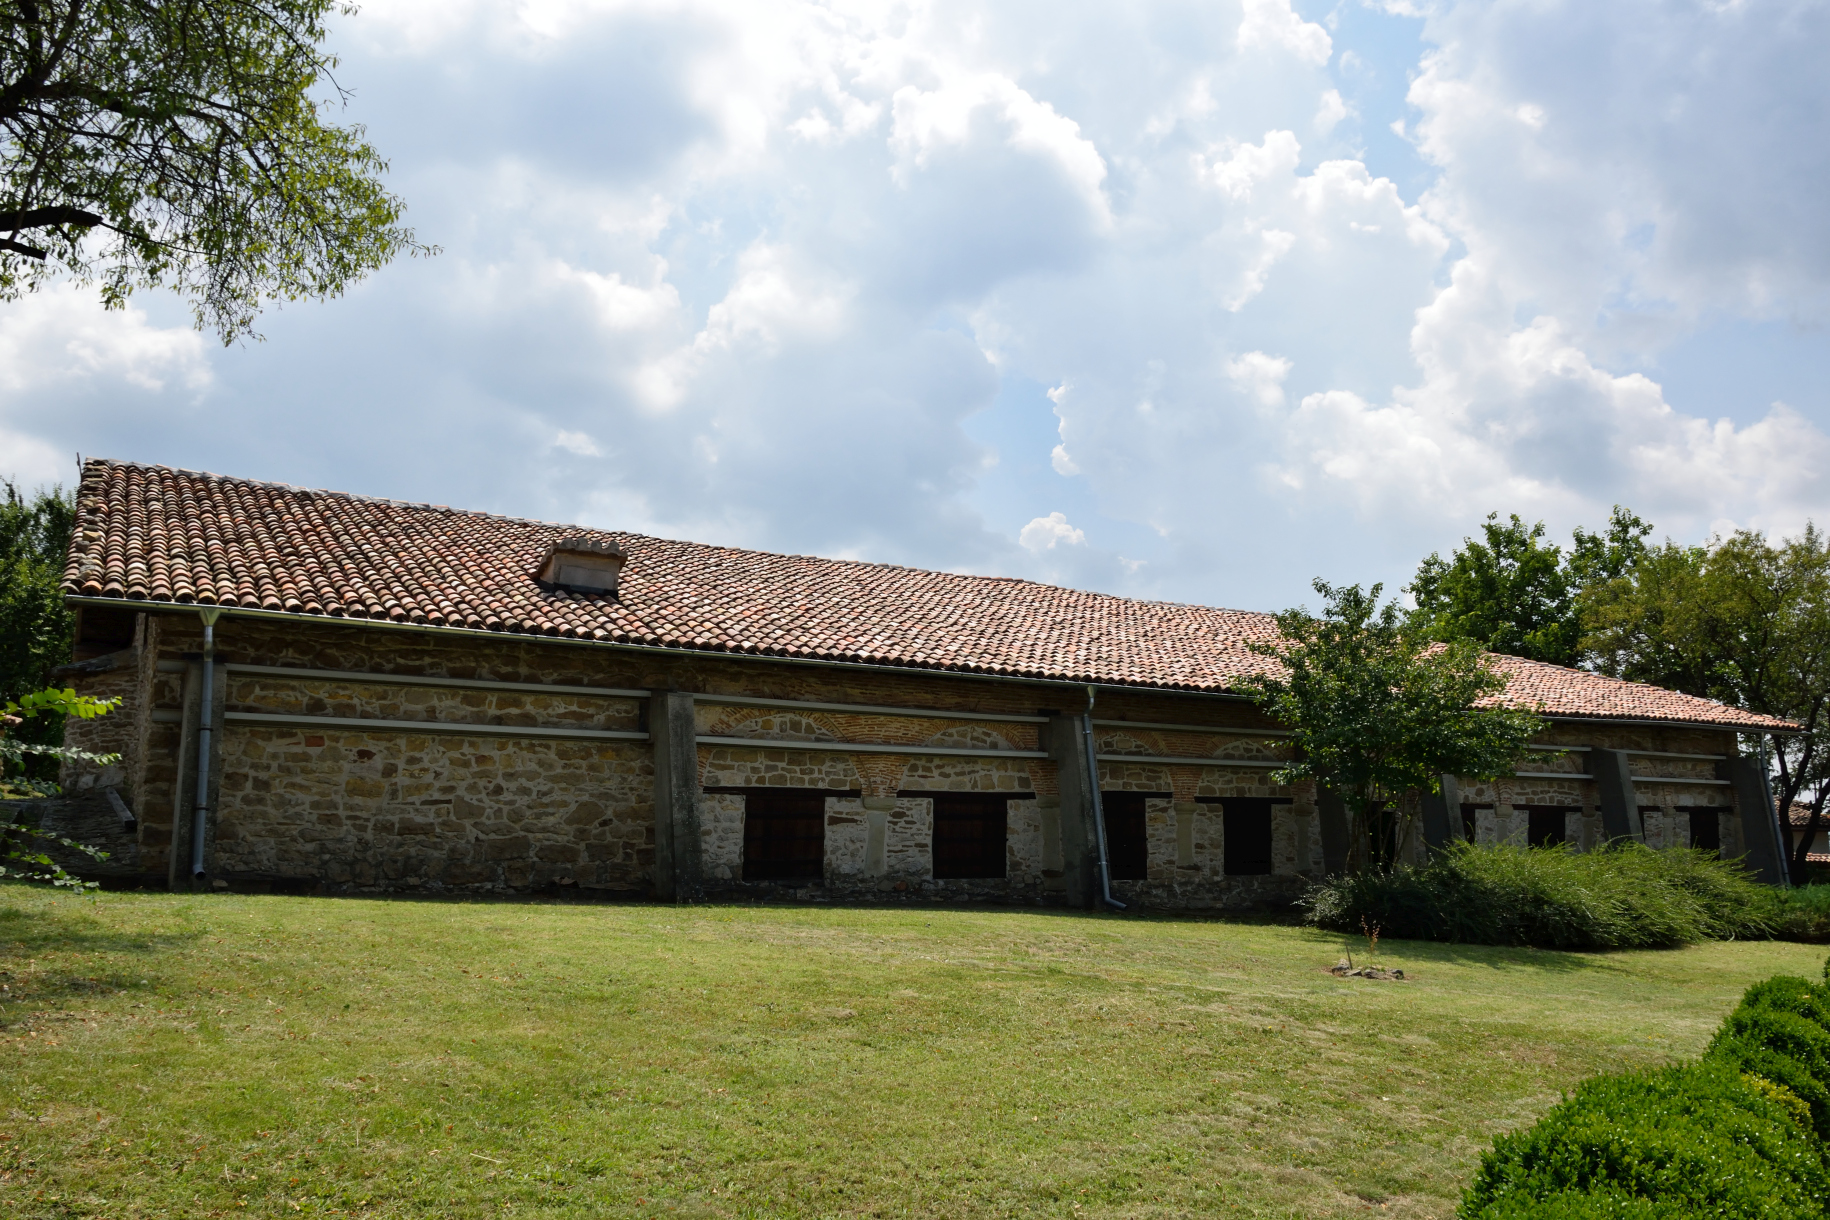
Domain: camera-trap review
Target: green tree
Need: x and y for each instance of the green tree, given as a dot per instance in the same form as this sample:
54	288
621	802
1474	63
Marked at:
23	847
178	143
1376	710
35	626
1515	593
1742	620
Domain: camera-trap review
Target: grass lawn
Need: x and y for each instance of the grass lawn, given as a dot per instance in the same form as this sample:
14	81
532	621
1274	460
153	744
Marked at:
272	1056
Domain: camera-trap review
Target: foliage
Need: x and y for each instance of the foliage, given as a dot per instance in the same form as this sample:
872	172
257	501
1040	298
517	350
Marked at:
1628	897
1743	620
1375	711
18	858
1517	594
1803	912
35	627
188	135
1696	1140
1741	1133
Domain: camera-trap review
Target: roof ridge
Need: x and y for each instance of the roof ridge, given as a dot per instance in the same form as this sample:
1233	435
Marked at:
345	495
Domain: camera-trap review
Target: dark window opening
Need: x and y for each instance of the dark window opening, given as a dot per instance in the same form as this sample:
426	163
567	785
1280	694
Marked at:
1545	825
970	829
1127	846
1706	830
1470	819
784	835
1248	835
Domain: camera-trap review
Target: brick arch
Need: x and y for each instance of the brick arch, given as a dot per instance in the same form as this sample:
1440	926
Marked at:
772	726
970	737
776	764
1123	743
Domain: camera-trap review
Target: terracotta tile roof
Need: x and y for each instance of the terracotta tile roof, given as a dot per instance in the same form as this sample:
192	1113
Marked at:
155	534
1799	818
1801	814
1560	691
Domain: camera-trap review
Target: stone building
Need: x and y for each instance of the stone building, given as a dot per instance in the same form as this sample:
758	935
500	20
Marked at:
327	692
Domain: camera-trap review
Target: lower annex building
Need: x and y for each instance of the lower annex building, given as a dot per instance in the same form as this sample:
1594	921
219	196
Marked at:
325	691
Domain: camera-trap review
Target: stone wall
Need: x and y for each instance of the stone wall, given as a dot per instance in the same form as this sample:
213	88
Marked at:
398	809
391	810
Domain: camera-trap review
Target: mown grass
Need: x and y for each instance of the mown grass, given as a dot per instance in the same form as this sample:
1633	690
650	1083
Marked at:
267	1056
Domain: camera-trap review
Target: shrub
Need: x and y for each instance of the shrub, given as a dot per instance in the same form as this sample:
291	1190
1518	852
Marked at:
1802	913
1626	897
1696	1140
1743	1132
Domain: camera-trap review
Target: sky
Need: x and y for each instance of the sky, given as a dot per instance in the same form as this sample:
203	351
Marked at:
1187	301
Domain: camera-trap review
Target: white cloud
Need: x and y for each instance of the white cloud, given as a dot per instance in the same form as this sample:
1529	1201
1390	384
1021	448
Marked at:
1260	376
1330	113
797	270
1244	166
579	443
63	335
1043	533
1272	23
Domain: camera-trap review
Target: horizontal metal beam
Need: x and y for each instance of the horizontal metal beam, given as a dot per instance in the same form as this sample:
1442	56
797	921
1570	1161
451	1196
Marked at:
1561	749
436	728
1638	779
1710	725
1191	728
861	709
1668	754
387	679
858	747
1162	760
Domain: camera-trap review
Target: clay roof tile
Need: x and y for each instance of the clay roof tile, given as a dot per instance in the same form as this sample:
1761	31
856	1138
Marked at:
153	533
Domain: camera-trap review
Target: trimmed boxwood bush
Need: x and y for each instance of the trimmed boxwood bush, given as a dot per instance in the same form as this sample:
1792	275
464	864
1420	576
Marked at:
1626	897
1696	1140
1744	1132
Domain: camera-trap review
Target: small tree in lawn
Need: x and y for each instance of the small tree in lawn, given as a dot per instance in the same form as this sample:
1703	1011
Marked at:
22	847
1376	711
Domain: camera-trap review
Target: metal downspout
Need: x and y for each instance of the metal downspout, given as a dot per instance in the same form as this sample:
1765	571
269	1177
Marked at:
1099	813
205	729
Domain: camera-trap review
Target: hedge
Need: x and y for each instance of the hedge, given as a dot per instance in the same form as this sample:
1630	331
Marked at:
1743	1132
1626	897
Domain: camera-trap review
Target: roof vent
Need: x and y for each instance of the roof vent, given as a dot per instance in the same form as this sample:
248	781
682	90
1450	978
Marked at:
582	565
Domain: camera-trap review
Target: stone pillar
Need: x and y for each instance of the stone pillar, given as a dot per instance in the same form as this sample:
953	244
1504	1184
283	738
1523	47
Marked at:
1760	831
1331	813
877	811
1066	745
1186	812
178	856
219	693
678	853
1614	789
1442	814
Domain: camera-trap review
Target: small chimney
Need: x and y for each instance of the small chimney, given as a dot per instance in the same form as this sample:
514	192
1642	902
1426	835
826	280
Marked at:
582	565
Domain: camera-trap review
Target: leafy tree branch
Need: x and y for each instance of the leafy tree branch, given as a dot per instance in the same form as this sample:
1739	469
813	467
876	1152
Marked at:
178	143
